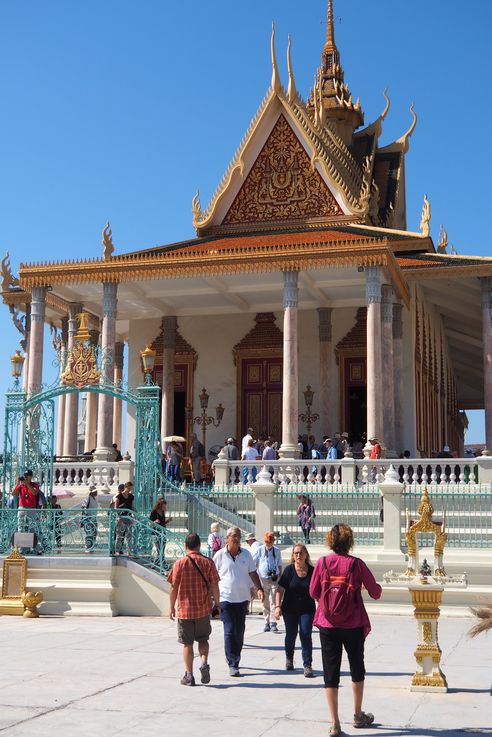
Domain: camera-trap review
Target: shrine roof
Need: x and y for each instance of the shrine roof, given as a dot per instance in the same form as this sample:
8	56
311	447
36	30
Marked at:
434	264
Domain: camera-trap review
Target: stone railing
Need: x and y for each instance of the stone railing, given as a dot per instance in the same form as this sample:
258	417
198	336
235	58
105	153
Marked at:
350	471
81	474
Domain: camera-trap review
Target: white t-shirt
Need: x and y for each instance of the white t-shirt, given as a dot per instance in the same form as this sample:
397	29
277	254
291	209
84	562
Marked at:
245	442
235	583
250	454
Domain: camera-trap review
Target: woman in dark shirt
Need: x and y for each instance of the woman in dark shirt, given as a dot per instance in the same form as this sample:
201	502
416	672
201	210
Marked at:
158	517
293	601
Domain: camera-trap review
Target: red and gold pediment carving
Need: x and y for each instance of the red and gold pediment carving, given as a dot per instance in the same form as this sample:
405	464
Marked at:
282	184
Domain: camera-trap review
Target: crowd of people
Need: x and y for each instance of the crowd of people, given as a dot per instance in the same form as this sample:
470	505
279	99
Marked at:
326	596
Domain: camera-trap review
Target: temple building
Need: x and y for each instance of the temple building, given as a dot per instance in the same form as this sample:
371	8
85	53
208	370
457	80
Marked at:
302	277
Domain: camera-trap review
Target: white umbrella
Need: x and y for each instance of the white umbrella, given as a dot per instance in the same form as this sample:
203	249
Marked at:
63	493
174	439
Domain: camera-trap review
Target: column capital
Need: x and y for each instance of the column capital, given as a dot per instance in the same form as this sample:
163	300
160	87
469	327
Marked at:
169	327
324	324
291	290
110	299
373	284
119	348
486	283
397	320
38	303
387	297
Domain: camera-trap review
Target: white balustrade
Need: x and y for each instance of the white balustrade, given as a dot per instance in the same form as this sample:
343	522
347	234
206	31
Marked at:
82	474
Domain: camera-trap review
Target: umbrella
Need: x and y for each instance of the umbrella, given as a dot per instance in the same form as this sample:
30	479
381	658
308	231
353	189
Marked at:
63	493
174	439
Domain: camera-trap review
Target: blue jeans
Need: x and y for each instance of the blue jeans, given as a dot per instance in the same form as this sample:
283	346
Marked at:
304	624
233	617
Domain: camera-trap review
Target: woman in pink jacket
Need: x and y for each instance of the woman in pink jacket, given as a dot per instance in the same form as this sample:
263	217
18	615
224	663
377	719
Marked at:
352	631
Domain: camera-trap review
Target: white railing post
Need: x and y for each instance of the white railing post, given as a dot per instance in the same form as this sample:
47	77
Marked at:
391	490
348	466
125	471
484	463
221	470
264	490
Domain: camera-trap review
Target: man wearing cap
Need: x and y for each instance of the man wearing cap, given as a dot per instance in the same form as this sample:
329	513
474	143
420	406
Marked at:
89	519
230	451
253	543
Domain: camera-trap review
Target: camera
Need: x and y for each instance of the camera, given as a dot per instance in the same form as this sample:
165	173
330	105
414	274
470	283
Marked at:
21	478
273	576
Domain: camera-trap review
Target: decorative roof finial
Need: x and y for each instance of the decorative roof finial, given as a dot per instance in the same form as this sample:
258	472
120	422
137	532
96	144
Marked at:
196	209
330	28
275	75
426	218
291	91
442	241
404	140
8	280
107	242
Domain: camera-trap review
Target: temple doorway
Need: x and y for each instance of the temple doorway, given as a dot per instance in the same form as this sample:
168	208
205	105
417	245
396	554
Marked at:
350	354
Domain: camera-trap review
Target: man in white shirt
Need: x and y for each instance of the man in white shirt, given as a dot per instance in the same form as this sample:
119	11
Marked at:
246	439
236	569
268	559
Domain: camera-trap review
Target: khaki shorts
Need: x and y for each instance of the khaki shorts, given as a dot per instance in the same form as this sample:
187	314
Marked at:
191	630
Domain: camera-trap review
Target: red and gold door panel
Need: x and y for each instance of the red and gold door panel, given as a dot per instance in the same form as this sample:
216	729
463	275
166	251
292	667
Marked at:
260	396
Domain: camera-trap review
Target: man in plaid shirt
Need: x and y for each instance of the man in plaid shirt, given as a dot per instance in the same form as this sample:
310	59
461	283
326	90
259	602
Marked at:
194	589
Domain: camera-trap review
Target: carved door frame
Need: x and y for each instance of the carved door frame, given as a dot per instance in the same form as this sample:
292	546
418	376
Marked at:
241	356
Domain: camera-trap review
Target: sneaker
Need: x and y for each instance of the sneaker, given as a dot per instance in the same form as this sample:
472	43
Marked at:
205	673
289	664
273	627
363	720
308	672
234	672
187	680
266	628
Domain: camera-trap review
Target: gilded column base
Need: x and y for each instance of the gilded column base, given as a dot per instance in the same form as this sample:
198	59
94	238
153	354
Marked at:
426	599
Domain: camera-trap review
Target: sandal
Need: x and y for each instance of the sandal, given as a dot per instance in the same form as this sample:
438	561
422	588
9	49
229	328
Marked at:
363	720
335	730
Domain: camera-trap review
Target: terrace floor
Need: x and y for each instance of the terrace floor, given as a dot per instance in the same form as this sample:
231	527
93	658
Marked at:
71	677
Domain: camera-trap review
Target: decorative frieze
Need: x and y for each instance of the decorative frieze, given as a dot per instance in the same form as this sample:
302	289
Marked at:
373	285
110	299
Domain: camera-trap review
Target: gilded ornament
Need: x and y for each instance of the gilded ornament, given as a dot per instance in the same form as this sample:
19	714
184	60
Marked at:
196	209
427	632
426	218
107	242
8	280
442	241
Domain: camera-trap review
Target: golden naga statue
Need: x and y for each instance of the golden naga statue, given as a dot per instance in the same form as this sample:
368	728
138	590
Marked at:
425	524
107	242
443	240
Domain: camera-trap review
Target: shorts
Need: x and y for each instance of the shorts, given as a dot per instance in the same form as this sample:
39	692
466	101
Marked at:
191	630
333	640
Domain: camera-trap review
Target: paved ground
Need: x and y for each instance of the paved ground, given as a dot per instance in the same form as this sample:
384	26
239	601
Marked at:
92	676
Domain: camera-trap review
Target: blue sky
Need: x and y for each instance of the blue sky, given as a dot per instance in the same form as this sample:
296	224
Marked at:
119	110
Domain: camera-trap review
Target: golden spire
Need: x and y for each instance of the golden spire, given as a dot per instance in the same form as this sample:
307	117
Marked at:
275	74
330	28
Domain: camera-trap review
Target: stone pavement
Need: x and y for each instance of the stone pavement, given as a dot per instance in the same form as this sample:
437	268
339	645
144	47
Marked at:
100	676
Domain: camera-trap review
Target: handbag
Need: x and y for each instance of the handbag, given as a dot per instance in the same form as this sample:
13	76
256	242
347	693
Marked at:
215	610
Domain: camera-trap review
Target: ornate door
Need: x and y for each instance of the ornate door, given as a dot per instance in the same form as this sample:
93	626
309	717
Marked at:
261	396
355	396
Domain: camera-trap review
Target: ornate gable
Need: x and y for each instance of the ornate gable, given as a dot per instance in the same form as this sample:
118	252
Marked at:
282	185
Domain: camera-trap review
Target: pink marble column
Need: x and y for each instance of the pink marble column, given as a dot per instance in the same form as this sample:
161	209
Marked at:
36	339
290	389
398	374
388	432
117	403
71	400
487	356
60	424
104	450
374	363
25	347
91	408
169	327
325	378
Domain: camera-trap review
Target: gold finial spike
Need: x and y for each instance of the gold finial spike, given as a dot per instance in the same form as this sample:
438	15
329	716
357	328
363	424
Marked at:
291	91
387	106
405	138
330	28
82	333
442	240
107	242
275	74
426	218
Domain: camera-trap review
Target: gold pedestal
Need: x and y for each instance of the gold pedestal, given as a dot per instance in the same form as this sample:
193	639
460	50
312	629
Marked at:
426	599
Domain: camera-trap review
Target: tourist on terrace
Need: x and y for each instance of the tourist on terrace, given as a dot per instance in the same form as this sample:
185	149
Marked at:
236	569
352	631
194	589
250	454
294	603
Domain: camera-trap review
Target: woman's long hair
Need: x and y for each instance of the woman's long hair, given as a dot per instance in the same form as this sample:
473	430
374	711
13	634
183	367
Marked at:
160	500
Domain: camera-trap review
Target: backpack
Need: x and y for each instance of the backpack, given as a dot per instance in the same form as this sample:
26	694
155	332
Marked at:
338	595
217	544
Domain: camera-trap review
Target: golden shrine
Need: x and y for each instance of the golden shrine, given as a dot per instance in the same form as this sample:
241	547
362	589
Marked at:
304	245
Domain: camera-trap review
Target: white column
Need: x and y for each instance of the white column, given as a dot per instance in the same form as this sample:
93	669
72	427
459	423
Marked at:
91	408
25	346
71	400
169	326
398	374
104	450
60	425
325	378
36	339
290	389
117	403
387	297
487	356
374	364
